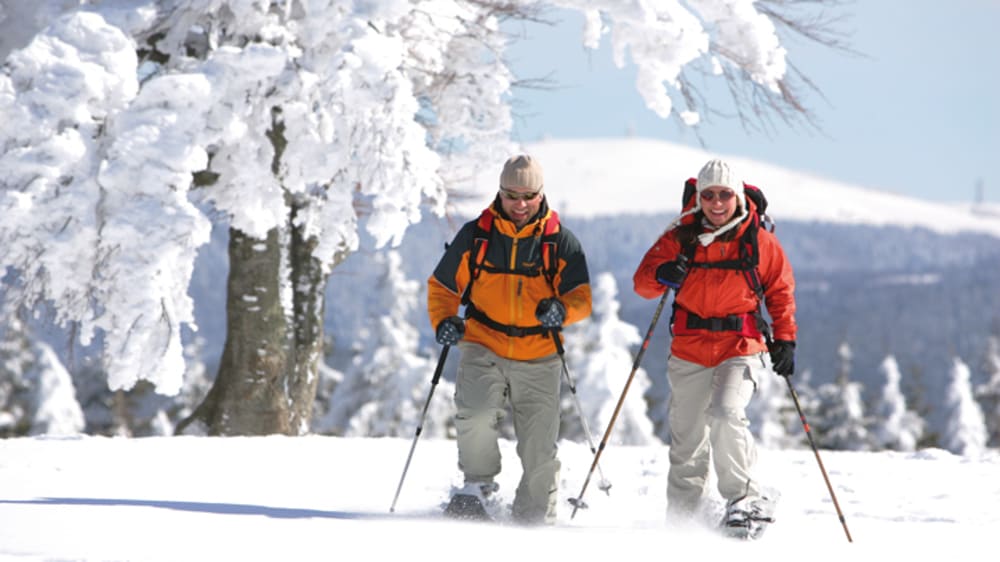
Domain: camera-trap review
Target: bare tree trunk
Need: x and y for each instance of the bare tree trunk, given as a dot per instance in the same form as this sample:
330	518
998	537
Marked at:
269	369
308	305
249	394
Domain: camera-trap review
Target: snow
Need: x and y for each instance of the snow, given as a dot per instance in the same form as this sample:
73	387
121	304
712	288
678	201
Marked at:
96	131
312	498
607	177
100	146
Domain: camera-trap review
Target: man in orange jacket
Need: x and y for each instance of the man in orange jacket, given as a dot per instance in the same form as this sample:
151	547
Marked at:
522	277
718	346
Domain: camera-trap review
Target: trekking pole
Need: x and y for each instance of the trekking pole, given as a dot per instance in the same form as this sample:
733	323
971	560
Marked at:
805	425
420	425
578	501
605	484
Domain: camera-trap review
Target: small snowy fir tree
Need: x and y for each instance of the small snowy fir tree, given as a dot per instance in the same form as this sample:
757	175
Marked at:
895	427
598	355
809	402
657	396
384	391
771	411
841	421
37	396
964	430
988	393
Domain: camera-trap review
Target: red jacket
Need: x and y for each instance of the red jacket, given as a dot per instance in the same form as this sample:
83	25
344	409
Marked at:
715	292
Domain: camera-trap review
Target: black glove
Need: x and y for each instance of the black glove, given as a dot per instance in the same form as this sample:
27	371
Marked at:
450	330
782	357
672	273
551	313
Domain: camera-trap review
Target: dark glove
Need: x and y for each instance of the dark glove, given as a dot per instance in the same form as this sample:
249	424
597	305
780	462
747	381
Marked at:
551	313
672	273
782	357
450	330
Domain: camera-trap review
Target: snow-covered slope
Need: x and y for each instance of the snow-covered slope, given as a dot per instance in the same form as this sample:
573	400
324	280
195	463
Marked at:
603	177
318	498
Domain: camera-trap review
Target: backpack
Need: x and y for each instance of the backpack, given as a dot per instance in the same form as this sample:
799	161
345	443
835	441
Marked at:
477	258
749	254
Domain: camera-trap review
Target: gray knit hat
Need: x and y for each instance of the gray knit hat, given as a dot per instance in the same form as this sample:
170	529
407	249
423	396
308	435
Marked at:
522	171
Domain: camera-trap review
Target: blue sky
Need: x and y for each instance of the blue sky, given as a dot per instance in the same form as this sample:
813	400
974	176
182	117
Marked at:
919	114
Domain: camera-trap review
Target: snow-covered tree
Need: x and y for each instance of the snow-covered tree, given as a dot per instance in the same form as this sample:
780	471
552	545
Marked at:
988	393
37	396
772	415
895	426
296	123
840	422
598	352
657	397
808	398
384	391
964	430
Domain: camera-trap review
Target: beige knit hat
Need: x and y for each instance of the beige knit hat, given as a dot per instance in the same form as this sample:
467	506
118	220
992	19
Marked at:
522	171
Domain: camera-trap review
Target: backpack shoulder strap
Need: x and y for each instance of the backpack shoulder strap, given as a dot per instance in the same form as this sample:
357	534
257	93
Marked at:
550	249
477	252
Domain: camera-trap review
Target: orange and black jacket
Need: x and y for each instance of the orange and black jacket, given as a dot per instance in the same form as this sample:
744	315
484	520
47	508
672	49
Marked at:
718	293
510	285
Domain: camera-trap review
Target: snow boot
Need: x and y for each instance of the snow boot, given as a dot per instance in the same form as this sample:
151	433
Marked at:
748	518
469	502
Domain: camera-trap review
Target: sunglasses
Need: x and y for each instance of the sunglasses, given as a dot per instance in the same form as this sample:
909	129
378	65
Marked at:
723	196
514	195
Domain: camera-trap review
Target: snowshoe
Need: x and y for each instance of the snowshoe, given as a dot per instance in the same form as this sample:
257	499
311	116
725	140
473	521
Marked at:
747	519
469	502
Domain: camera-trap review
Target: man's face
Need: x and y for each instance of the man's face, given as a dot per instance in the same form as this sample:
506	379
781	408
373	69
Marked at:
520	203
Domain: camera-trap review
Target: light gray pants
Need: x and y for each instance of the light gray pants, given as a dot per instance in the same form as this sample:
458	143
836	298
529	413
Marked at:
708	421
485	383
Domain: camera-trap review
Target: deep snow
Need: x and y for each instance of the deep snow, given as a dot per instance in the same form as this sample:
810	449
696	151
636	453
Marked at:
321	498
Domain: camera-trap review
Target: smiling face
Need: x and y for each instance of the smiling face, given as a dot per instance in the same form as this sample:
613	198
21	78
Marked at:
520	203
718	203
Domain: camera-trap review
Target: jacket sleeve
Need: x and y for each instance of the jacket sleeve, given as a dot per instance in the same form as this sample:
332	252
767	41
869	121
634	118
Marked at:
779	286
573	278
450	278
666	248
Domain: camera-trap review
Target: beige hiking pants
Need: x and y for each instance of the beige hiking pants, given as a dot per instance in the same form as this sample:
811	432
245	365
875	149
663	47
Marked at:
484	384
708	421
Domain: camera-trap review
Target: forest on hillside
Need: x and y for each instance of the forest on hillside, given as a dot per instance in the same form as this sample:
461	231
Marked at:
896	327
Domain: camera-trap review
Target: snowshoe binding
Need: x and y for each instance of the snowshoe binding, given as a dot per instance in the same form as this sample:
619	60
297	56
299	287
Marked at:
469	502
748	518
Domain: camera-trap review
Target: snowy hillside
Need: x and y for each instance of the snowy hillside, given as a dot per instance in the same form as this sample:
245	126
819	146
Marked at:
602	177
863	257
321	498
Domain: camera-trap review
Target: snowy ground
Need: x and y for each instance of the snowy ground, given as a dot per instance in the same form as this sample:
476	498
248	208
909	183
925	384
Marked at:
308	498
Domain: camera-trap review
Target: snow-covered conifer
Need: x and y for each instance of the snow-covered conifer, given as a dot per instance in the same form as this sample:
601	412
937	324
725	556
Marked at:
599	358
895	426
384	391
771	412
988	393
37	396
964	430
840	421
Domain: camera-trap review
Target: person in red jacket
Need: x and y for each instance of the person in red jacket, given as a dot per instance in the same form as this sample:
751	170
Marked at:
718	345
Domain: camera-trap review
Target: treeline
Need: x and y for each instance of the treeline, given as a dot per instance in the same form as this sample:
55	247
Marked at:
385	380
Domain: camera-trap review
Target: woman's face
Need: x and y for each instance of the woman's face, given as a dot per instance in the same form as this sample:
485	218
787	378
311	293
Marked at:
719	204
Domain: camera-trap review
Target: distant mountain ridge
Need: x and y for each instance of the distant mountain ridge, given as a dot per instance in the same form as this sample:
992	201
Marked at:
603	177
